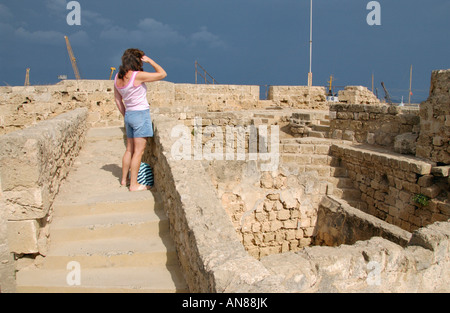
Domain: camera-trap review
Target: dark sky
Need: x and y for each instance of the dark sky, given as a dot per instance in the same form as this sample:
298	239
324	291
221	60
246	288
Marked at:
254	42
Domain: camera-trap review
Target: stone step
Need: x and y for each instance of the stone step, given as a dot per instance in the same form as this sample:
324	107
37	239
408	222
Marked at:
81	209
104	252
341	182
321	128
84	228
110	246
324	122
308	159
295	147
318	134
121	240
347	193
165	255
151	279
314	141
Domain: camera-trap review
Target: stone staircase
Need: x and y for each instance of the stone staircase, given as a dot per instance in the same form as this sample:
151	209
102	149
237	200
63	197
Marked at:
308	145
110	239
313	154
310	123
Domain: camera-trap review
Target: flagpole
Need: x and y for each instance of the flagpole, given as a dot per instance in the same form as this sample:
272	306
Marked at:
410	84
310	48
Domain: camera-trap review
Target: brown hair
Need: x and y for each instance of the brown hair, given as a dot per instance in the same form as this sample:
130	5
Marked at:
131	61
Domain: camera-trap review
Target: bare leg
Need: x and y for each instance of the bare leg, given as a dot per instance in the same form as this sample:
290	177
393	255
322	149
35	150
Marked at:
139	147
126	161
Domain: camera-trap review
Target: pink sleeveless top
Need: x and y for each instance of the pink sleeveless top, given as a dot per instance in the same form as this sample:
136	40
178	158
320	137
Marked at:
134	98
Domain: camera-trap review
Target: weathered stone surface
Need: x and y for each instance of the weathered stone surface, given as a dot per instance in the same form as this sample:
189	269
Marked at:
434	120
299	97
34	161
406	143
389	183
23	236
339	223
357	95
372	123
216	261
7	266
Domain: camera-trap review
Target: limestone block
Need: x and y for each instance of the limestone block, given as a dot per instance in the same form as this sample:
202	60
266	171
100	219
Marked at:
435	237
425	181
284	215
290	224
357	95
23	236
434	134
288	199
406	143
441	171
431	192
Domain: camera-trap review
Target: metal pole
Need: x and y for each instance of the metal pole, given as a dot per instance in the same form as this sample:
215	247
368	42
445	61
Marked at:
310	47
410	85
310	41
372	82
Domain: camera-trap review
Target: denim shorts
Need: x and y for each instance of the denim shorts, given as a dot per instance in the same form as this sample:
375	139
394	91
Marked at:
138	124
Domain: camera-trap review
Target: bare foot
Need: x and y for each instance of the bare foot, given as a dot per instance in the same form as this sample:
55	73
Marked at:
140	188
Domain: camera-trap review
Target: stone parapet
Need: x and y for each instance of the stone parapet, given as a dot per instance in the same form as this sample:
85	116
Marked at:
434	138
33	163
398	189
376	124
357	95
22	107
339	223
209	251
299	97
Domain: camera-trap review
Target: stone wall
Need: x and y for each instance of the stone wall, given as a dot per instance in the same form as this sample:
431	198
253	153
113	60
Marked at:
7	266
25	106
392	184
22	107
434	139
272	212
339	223
357	95
33	162
376	124
214	260
375	265
211	256
299	97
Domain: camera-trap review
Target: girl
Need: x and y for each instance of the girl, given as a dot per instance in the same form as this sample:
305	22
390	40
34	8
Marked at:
131	99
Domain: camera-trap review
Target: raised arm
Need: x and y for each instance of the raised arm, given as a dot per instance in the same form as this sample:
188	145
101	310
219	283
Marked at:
146	77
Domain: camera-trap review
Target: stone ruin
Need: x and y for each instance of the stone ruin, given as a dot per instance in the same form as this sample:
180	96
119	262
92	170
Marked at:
358	201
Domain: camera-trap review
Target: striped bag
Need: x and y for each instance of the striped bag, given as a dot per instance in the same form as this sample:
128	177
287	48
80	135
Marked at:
145	175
